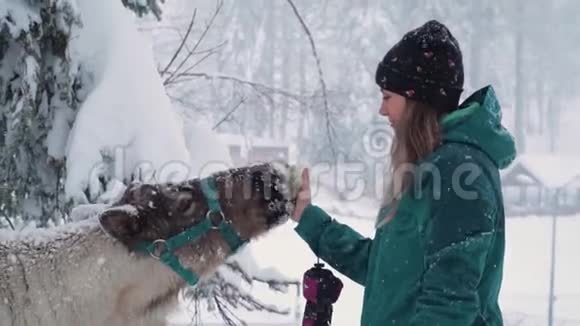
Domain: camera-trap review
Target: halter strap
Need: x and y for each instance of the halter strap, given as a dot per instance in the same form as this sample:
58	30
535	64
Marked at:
163	249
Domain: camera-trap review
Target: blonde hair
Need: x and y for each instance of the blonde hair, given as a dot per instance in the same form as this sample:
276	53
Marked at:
417	135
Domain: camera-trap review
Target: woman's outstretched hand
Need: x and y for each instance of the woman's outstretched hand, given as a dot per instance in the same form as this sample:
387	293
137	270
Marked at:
303	198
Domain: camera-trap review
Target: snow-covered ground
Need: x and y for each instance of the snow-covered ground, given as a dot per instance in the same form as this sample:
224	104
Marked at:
527	270
524	294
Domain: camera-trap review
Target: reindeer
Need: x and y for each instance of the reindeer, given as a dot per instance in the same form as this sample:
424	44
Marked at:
127	265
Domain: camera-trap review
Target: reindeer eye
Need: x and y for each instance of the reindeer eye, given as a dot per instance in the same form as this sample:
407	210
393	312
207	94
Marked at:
142	195
184	202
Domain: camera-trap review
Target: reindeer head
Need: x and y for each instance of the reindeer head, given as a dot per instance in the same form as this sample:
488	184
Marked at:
253	199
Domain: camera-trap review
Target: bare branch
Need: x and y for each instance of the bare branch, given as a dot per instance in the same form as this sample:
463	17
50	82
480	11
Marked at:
329	129
185	103
207	55
212	49
198	42
229	114
257	86
183	40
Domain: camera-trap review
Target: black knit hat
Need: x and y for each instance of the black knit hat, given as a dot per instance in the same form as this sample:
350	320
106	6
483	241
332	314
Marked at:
426	66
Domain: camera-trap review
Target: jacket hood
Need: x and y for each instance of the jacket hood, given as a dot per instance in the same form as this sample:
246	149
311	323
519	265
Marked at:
477	122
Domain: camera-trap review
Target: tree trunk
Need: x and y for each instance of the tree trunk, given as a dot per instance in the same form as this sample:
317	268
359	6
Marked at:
270	62
302	78
553	119
287	51
520	126
541	105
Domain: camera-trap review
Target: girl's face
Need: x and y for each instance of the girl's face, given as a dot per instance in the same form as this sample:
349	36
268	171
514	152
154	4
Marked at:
393	107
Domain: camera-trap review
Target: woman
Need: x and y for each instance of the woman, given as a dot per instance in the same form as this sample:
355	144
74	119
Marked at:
437	254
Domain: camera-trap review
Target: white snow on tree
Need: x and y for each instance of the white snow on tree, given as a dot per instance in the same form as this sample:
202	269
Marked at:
144	7
57	61
126	128
38	102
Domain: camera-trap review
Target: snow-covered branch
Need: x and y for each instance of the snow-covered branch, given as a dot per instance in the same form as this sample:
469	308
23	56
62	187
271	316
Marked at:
223	295
230	289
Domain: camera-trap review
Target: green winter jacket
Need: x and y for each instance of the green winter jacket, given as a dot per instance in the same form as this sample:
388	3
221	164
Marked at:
439	261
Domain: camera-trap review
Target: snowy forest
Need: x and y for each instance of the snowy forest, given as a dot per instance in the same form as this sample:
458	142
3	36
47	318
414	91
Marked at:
95	95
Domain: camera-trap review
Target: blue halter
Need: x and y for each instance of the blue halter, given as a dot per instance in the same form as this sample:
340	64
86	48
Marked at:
163	249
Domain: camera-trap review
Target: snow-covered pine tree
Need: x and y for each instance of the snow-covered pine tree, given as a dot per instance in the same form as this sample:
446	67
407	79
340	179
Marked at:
38	82
144	7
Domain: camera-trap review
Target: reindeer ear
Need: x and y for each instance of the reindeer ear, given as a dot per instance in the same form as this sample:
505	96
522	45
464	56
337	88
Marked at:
122	224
